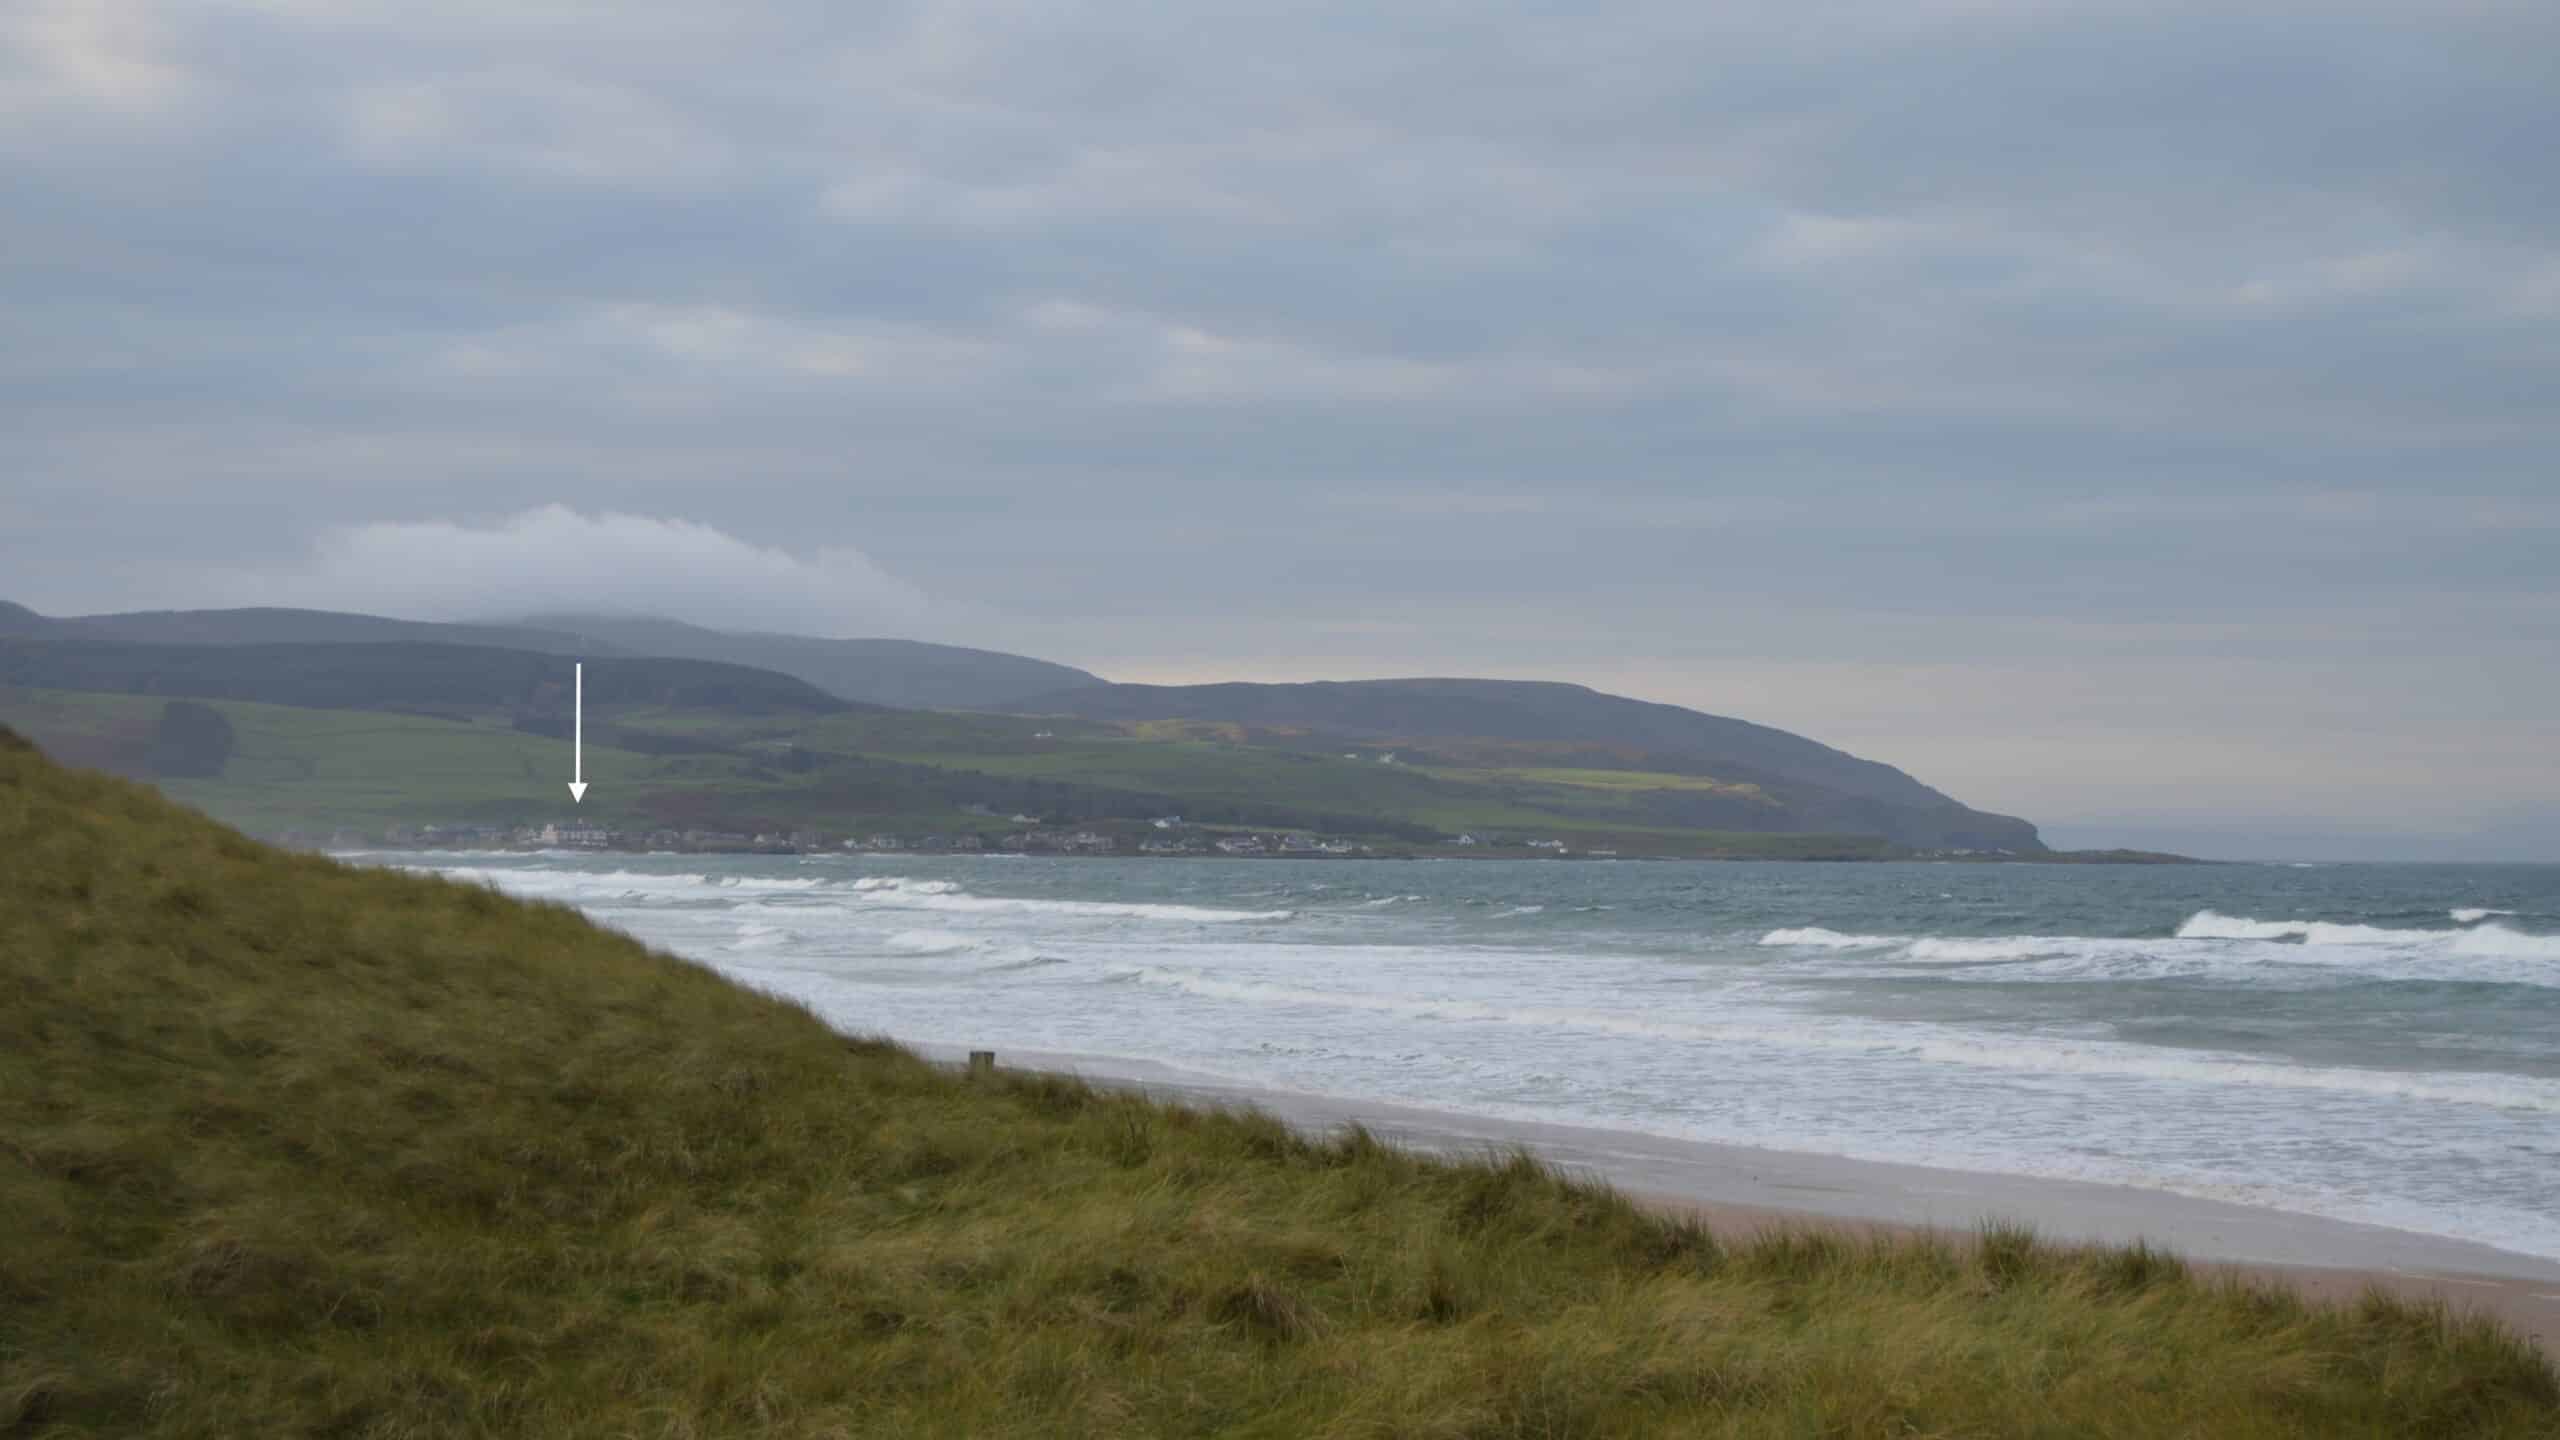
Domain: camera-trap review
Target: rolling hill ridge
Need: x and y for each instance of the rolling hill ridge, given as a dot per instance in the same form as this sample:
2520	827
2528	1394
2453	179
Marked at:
907	673
1538	724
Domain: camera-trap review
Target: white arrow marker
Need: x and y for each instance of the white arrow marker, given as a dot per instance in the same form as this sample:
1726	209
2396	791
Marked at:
578	739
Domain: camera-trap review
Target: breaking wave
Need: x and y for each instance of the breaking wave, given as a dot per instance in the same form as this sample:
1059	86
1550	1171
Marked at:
2212	925
756	935
928	942
2207	944
1816	937
2477	939
887	892
892	892
897	884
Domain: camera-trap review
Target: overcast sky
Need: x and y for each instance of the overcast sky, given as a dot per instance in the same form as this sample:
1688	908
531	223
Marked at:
2143	417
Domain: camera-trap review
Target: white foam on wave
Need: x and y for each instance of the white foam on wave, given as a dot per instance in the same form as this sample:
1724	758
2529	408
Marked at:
2473	914
1091	910
753	883
755	935
2483	940
2213	925
546	881
1030	962
899	884
928	942
2208	945
889	892
1520	910
584	885
2498	940
1937	949
2005	947
1816	938
869	891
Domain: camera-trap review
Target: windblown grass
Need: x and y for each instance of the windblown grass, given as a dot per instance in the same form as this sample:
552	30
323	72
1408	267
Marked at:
290	1148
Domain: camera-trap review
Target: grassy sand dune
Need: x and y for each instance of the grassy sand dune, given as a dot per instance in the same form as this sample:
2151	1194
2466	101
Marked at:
292	1148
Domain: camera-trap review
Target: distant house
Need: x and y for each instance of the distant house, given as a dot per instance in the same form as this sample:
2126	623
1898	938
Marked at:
1087	842
1166	822
1469	840
1241	845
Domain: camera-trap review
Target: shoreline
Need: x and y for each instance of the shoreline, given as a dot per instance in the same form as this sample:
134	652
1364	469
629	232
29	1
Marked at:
1747	1189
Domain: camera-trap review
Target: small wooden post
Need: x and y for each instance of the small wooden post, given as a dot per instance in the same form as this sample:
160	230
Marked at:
982	1062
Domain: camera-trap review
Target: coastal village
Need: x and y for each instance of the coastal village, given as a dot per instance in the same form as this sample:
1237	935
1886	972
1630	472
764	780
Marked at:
1167	836
1164	836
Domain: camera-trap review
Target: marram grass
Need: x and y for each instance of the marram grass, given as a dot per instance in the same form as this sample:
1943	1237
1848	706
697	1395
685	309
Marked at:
292	1148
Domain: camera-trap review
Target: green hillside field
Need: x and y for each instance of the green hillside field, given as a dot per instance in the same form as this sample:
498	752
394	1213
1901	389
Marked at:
291	1147
299	768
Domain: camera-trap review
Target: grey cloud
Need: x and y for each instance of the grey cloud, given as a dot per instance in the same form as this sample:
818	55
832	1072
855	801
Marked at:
553	559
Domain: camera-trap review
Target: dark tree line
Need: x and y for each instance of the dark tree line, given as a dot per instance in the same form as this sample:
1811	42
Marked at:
192	742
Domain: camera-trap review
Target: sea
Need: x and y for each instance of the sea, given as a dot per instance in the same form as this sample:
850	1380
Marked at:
2373	1043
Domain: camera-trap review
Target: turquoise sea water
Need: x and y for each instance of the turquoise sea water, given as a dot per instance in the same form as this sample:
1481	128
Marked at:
2377	1043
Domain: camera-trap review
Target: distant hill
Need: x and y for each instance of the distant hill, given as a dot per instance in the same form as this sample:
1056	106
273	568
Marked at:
272	626
909	674
397	676
19	622
1816	787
